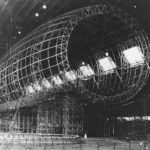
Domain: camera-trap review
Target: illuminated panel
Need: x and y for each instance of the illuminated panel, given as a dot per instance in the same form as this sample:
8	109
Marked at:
30	89
37	86
86	71
57	80
133	56
70	76
46	84
107	65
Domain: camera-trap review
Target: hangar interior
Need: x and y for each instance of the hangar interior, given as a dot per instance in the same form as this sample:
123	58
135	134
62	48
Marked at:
53	78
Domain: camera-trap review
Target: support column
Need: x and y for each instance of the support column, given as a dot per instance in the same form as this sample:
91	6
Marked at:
28	123
18	121
32	118
38	119
12	121
42	118
72	115
46	117
65	110
23	122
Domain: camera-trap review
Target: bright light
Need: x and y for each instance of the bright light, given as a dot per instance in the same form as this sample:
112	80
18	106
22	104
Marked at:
133	56
86	71
46	83
107	54
19	32
70	76
36	14
141	143
57	80
30	89
83	63
37	86
107	65
44	6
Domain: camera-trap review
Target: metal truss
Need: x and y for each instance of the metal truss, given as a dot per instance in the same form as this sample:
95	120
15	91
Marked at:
63	115
72	115
44	54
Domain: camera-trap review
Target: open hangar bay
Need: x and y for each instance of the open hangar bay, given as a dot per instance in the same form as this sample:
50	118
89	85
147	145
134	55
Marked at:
74	74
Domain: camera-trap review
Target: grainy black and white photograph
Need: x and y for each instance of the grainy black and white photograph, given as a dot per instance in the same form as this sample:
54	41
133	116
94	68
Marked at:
74	74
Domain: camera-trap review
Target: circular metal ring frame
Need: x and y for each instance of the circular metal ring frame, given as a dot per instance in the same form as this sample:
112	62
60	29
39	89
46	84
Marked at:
44	53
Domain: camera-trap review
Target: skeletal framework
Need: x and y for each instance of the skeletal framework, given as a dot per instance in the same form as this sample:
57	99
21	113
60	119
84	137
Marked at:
42	57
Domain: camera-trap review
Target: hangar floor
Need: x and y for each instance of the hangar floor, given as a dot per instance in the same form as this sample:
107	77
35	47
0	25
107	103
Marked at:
86	144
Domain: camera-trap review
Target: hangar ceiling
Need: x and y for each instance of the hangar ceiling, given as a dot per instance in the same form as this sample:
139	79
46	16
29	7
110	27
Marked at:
18	15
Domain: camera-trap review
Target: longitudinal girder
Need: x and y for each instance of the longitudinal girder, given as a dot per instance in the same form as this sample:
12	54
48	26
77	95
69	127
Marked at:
44	54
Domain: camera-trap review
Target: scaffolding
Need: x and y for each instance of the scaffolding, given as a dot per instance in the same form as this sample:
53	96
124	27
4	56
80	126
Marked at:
72	116
64	115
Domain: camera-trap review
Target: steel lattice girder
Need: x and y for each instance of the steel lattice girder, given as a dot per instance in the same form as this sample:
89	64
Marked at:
44	53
